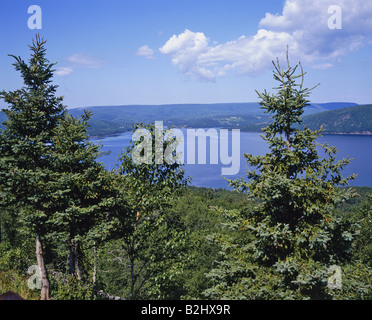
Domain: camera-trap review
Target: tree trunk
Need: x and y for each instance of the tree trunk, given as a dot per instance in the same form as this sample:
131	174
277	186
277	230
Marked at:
133	278
45	287
132	273
75	269
72	260
95	263
79	273
132	257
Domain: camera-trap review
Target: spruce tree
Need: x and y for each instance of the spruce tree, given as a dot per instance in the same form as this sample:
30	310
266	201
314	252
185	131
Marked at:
32	113
285	245
85	197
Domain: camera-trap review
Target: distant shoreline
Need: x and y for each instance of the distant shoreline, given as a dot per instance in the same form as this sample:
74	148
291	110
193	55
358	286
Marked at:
368	133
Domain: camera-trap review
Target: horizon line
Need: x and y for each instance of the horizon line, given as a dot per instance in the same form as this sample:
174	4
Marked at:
195	103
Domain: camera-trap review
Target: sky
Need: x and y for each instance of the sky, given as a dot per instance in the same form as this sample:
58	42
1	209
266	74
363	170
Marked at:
112	52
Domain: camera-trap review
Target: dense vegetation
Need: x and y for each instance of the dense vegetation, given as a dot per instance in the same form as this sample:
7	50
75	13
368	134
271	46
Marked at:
352	120
141	233
190	261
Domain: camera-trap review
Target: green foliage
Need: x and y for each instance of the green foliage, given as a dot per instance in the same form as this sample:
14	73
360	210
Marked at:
25	142
84	192
195	211
148	188
156	262
9	224
16	281
292	236
157	239
180	252
26	174
12	257
70	288
356	282
50	179
151	184
363	217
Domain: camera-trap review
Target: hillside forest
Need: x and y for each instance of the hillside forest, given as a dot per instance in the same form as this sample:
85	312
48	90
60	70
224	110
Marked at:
72	230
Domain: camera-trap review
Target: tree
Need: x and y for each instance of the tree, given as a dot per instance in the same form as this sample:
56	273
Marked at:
84	192
284	247
25	143
150	187
363	245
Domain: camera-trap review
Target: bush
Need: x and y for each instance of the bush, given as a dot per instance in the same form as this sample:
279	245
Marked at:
70	288
12	280
12	258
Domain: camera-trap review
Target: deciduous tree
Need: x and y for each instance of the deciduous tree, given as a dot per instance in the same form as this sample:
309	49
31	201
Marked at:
149	187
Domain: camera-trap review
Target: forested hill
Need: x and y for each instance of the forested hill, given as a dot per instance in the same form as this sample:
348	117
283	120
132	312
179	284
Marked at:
352	120
107	120
110	120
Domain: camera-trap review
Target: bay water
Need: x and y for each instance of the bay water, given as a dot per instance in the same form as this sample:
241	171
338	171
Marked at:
357	147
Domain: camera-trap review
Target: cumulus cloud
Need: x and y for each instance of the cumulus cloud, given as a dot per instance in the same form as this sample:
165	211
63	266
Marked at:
307	21
187	50
195	56
146	52
249	55
303	26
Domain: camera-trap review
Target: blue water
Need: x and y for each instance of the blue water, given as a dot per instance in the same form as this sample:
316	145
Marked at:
358	147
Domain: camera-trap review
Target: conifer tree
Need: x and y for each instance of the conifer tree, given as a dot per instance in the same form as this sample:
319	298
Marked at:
288	242
25	146
85	194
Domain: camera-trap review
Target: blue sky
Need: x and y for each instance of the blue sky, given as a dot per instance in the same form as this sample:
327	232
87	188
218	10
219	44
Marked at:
186	51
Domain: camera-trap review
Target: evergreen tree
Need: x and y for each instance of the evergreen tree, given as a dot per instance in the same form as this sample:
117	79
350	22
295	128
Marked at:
84	191
25	144
284	247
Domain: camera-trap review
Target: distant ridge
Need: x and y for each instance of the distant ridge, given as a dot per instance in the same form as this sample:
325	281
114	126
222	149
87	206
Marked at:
335	105
351	120
247	116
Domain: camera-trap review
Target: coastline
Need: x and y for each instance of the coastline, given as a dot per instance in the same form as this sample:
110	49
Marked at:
367	133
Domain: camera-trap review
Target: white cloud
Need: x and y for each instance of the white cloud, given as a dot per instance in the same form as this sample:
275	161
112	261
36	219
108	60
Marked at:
193	54
79	60
303	26
64	71
322	66
146	52
249	55
83	60
187	41
307	21
186	49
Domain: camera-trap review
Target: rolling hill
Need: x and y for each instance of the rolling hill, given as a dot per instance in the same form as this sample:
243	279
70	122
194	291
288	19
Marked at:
338	117
351	120
107	120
